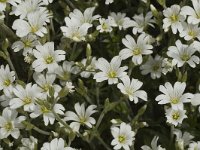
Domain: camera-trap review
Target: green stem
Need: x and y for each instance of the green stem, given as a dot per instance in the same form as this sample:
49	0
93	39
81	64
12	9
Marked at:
61	121
12	66
41	131
100	119
102	142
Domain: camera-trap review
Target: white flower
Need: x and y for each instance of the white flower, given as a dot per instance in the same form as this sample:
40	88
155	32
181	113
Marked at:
26	97
55	144
153	66
26	44
121	20
34	24
135	48
182	54
175	117
47	57
6	97
140	22
107	2
81	117
183	139
48	116
173	18
86	17
192	13
69	86
154	145
90	68
195	100
10	123
190	32
46	82
174	95
28	143
26	7
106	24
194	146
166	66
7	78
131	89
64	72
110	71
123	136
4	2
75	30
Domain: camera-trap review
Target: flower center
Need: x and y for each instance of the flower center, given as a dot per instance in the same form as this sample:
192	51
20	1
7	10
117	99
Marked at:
175	100
185	57
129	91
44	109
8	126
175	115
82	120
174	18
104	26
121	139
191	33
7	82
27	100
155	67
76	36
34	29
49	59
112	74
137	51
27	43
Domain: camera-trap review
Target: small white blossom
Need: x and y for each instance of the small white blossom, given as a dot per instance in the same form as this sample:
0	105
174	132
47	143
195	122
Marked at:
135	48
47	57
86	17
26	44
152	66
10	123
183	139
56	144
110	71
29	143
140	22
106	24
166	66
25	96
190	32
46	112
182	54
34	24
194	146
121	20
81	117
75	30
131	89
7	78
175	117
123	136
192	13
69	86
174	95
173	19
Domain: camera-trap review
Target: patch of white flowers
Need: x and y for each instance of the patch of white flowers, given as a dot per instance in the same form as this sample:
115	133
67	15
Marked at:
68	71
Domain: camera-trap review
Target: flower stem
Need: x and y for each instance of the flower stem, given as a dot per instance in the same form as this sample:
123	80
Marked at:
61	121
100	119
41	131
12	66
70	4
102	142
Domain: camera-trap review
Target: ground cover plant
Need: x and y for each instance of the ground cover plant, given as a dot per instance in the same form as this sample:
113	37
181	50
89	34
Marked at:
99	74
